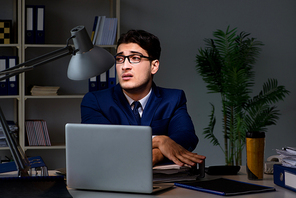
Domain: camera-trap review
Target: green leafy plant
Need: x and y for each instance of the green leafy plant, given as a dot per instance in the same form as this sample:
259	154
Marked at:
226	65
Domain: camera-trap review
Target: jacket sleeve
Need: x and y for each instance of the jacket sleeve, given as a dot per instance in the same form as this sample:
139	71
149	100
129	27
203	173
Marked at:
181	128
91	112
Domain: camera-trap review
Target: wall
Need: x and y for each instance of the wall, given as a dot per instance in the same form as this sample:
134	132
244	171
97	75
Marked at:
181	27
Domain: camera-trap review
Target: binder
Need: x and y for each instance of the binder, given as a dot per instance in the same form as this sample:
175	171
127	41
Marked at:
12	82
93	34
103	83
92	84
30	34
3	83
35	162
284	177
39	25
112	77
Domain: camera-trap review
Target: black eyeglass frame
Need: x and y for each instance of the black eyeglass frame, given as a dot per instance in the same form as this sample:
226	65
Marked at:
128	58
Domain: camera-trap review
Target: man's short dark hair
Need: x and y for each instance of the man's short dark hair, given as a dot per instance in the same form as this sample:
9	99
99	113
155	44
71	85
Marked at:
145	40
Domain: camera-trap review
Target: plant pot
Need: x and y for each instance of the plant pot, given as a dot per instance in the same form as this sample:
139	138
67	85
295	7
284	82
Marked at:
222	170
255	142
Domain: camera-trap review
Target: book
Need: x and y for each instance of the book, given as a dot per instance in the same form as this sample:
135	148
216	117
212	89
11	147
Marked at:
5	31
44	90
105	31
94	29
37	133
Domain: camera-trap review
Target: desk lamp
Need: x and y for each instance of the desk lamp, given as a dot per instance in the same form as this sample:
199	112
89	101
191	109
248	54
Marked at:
87	61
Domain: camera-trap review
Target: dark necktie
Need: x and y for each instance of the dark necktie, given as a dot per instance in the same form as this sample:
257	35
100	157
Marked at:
137	105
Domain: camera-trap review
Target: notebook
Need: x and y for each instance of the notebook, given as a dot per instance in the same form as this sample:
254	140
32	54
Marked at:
110	158
225	187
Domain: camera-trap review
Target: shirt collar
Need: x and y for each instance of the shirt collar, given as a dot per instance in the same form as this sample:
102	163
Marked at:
143	101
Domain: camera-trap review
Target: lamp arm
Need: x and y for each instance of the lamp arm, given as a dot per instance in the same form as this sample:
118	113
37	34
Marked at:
86	59
21	161
41	60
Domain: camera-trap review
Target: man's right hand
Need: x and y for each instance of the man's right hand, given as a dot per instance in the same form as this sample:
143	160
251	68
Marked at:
175	152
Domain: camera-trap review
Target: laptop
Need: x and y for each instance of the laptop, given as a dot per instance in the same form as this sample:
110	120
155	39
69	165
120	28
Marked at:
110	158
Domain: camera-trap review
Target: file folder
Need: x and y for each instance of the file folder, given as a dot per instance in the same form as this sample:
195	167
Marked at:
3	83
12	82
92	84
103	83
39	33
30	35
112	77
284	176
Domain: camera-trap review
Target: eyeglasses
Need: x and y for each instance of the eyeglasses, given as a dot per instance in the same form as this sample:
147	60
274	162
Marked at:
133	59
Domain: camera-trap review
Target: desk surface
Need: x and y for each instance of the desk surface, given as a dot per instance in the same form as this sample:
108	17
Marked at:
182	192
178	192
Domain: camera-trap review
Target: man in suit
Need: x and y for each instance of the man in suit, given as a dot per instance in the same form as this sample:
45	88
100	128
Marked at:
136	100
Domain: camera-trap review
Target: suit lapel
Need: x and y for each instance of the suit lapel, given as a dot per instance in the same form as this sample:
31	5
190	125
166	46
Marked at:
123	104
151	106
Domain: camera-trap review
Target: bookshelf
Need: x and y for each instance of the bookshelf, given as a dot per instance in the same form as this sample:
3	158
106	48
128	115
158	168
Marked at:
60	18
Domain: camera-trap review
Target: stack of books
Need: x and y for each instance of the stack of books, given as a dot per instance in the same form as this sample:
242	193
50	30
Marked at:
104	30
37	133
288	156
13	130
44	91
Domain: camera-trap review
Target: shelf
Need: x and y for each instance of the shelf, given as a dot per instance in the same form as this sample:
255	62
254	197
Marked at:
4	148
45	45
44	147
10	45
54	97
55	109
10	97
61	45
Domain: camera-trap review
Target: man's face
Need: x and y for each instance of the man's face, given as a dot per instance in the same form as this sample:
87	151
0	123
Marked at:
135	78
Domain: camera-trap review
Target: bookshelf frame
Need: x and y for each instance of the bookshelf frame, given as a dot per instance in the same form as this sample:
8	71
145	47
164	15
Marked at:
20	47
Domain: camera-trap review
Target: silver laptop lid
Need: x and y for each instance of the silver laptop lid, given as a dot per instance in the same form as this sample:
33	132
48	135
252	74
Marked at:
109	157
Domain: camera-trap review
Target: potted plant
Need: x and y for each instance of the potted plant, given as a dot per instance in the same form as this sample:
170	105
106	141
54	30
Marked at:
226	65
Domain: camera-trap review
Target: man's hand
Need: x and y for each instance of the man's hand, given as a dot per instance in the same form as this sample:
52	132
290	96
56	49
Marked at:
157	156
175	152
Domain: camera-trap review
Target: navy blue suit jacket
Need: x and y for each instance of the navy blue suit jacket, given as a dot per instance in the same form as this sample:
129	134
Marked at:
165	112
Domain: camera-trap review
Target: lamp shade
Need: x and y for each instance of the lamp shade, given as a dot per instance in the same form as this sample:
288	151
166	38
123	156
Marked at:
89	60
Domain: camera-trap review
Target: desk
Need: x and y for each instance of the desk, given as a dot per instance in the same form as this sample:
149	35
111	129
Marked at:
178	192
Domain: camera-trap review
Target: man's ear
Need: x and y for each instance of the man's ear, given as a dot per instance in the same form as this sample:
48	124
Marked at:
154	66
